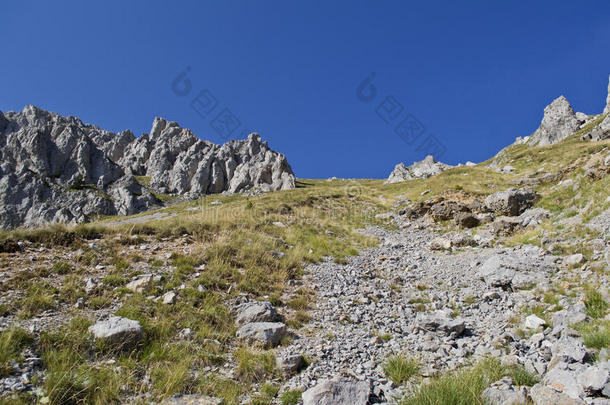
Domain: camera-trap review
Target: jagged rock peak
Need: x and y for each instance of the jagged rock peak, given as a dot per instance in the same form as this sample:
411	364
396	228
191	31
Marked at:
59	169
559	122
418	170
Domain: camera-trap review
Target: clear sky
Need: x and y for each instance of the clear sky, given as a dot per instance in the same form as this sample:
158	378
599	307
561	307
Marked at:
458	78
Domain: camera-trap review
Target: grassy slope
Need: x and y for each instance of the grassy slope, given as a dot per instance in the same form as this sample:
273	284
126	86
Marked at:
236	241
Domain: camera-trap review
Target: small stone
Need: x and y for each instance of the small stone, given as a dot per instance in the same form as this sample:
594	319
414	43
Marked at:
533	322
169	298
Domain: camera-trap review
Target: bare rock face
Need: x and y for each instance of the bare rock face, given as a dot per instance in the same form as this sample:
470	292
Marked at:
559	122
418	170
59	169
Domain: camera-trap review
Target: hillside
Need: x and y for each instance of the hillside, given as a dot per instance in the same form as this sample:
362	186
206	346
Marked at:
484	283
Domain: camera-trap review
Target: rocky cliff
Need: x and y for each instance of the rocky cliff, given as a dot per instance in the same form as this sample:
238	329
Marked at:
59	169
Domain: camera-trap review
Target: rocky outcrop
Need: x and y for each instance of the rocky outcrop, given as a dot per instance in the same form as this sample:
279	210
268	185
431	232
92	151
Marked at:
559	122
418	170
59	169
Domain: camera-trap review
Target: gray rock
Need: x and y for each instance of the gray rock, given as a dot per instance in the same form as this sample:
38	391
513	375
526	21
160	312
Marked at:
121	333
59	169
574	259
569	350
441	322
595	378
511	202
466	220
559	122
192	399
503	392
440	243
264	333
290	363
533	322
418	170
258	311
338	391
540	394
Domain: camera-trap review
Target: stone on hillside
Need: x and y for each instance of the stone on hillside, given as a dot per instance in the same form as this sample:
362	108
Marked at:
440	322
440	243
192	399
338	391
600	132
595	378
466	220
169	298
119	332
258	311
418	170
511	202
268	334
559	122
290	363
504	392
445	210
141	284
574	259
517	268
540	394
533	322
569	350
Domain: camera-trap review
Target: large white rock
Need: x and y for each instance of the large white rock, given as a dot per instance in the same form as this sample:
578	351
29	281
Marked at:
119	332
263	333
338	391
258	311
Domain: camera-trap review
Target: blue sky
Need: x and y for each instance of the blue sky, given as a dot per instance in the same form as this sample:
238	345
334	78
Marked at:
473	75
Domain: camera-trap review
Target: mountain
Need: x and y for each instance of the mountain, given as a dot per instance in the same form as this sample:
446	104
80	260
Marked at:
59	169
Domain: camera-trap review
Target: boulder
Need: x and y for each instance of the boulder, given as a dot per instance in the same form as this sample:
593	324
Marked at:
141	284
290	363
575	259
504	392
511	202
533	322
466	220
442	323
517	268
540	394
569	350
257	311
338	391
440	243
267	334
117	332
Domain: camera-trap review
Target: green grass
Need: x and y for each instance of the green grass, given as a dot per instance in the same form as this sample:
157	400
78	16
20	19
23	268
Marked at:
465	386
596	305
400	368
12	342
290	397
596	334
254	366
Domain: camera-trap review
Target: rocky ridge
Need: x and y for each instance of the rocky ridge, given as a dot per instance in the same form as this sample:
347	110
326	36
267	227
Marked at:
418	170
59	169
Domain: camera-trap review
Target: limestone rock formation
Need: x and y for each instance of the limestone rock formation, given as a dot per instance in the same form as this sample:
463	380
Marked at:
418	170
559	122
59	169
